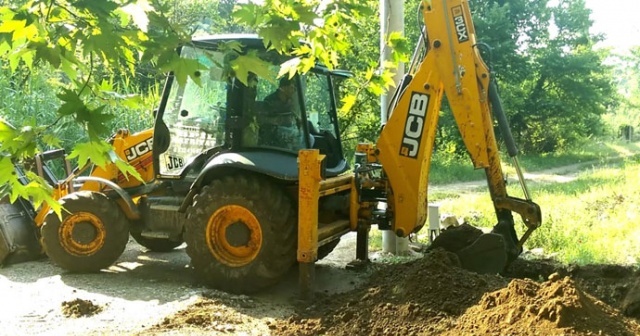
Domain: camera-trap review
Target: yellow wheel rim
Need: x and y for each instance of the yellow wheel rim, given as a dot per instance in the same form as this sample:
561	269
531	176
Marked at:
234	235
82	234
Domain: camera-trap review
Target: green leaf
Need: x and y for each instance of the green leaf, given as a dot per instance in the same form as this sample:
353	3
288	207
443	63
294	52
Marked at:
7	170
123	15
133	101
252	63
280	37
347	103
51	55
184	68
97	122
127	170
9	26
51	140
401	48
305	14
8	135
289	68
99	8
69	68
71	103
29	32
247	13
96	152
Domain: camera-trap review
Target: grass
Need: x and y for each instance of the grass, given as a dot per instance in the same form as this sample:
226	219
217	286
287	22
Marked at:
590	219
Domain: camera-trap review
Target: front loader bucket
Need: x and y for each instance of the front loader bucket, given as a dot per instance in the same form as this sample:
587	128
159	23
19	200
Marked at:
18	233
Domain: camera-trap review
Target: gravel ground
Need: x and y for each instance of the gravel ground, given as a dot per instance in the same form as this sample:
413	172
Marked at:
137	292
140	291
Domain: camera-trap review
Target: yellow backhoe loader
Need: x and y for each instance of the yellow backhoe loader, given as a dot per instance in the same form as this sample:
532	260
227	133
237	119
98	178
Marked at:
252	175
102	207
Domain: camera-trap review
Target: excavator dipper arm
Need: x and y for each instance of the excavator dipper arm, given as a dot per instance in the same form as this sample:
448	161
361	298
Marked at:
450	65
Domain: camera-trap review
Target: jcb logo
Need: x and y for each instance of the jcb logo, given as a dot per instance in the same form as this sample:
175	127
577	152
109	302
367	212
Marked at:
139	150
414	126
174	162
460	23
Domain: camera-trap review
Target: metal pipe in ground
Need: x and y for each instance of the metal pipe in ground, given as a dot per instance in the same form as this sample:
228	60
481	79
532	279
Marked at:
433	215
391	19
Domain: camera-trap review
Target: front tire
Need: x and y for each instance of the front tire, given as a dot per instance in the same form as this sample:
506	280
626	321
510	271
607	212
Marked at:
241	234
91	235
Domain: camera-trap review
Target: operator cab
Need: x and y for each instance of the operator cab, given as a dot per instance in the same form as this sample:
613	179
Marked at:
259	123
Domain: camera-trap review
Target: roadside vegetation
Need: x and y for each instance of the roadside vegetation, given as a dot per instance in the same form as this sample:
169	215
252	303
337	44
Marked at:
589	216
447	168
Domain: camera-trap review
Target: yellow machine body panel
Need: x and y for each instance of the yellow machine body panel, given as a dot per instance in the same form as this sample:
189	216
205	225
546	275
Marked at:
137	150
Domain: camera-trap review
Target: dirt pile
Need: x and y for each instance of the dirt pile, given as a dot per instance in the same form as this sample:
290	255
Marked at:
421	297
553	307
433	295
215	311
612	284
80	308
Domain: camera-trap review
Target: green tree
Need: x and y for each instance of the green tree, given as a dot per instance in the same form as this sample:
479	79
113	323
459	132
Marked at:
627	74
556	84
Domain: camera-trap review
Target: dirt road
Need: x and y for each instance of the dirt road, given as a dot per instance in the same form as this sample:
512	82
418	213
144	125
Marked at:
141	290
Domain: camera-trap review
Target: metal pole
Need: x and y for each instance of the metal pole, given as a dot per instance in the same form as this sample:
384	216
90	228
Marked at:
391	20
434	221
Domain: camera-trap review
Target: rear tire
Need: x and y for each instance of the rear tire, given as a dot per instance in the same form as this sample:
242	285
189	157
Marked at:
91	236
241	234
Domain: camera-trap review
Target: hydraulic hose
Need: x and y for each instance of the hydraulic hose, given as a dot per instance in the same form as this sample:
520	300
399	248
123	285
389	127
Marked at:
503	123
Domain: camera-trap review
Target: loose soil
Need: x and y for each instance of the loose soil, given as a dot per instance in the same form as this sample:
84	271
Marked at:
80	308
433	295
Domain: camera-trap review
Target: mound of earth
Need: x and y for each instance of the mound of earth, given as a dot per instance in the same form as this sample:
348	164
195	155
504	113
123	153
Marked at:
80	308
214	311
553	307
420	297
433	295
203	315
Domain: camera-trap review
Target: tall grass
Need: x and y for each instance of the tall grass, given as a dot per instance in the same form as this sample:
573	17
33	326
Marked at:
590	219
32	100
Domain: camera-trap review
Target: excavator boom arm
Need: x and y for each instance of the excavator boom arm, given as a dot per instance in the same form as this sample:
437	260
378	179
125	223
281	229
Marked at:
453	67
